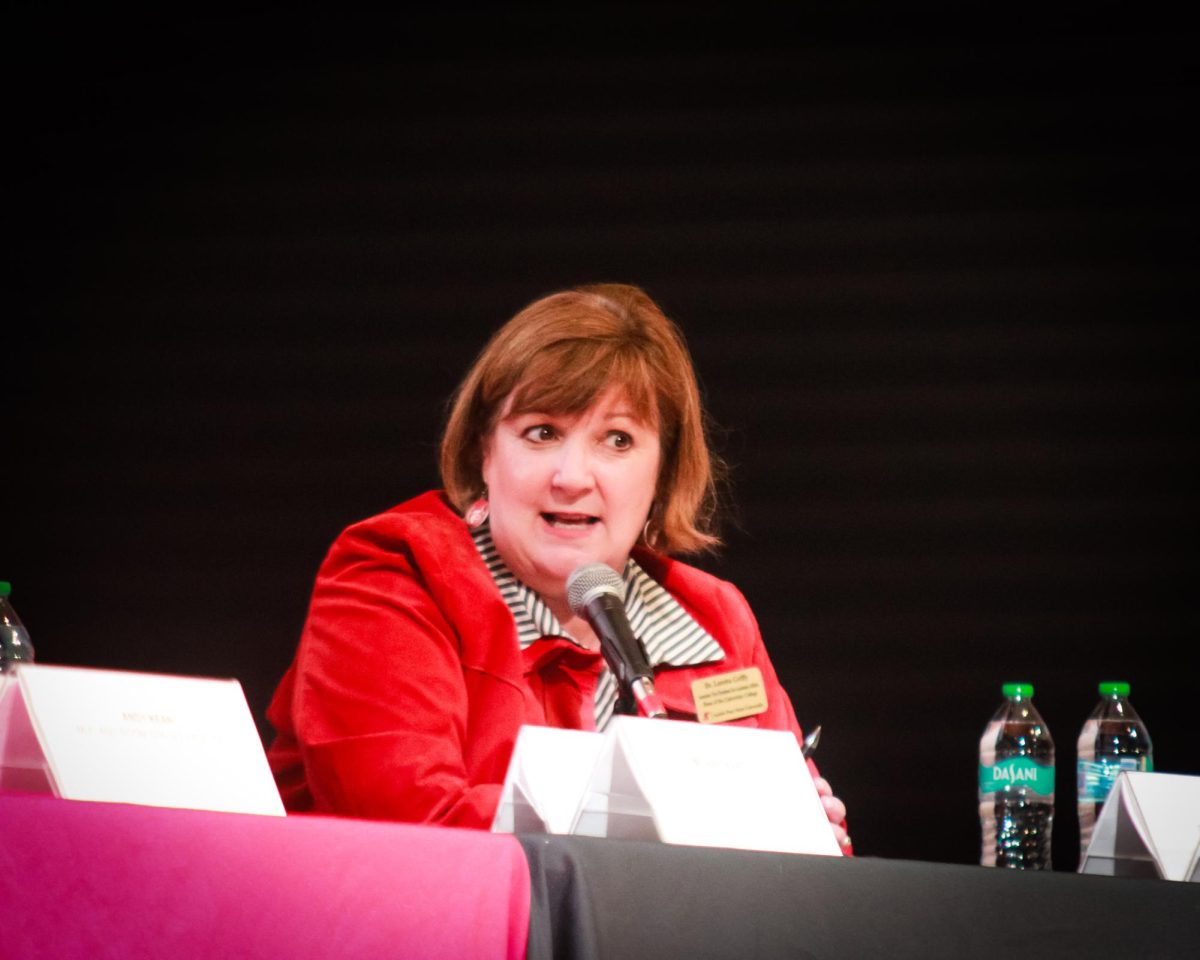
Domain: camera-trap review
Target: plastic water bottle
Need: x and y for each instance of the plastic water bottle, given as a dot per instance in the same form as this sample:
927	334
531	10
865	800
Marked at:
1016	784
1113	738
14	638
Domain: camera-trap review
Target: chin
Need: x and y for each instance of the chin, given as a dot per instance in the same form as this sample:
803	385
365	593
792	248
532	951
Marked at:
565	562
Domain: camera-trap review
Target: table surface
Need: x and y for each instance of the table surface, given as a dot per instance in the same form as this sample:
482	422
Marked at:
100	880
626	899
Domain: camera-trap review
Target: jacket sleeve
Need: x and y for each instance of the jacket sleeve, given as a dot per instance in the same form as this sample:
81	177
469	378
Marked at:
379	705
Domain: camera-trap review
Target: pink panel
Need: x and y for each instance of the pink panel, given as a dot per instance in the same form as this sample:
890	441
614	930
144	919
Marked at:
91	880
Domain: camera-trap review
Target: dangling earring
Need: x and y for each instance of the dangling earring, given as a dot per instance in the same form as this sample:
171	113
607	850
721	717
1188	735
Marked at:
477	513
647	533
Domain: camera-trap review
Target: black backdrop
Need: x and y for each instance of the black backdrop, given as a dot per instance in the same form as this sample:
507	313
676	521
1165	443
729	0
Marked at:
936	287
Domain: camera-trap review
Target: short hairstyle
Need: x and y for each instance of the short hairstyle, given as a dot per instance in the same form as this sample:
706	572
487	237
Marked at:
558	355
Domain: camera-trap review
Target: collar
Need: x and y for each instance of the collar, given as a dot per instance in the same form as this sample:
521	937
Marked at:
669	634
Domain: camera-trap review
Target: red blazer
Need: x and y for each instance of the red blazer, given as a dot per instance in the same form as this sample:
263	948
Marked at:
408	686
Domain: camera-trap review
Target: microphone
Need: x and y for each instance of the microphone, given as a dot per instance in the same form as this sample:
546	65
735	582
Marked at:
597	594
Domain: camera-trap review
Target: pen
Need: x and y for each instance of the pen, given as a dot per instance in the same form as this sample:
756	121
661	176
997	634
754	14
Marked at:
810	742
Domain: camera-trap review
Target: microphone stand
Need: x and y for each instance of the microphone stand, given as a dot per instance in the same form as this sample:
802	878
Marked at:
596	593
637	698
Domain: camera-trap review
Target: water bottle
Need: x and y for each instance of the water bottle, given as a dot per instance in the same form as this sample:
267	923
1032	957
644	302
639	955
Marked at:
1113	738
14	638
1016	784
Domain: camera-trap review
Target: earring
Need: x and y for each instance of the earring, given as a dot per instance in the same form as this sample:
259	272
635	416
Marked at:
477	513
647	531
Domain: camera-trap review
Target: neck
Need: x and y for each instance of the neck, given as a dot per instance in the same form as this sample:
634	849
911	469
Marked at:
576	627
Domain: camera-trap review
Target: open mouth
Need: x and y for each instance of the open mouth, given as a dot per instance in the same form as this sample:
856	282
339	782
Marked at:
570	521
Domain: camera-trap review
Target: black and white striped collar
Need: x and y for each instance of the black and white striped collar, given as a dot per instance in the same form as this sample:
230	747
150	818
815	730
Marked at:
669	633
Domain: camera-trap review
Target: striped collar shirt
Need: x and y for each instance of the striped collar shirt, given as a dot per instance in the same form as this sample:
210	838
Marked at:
666	630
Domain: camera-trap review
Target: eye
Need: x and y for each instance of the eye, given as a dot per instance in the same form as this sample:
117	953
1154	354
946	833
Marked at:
618	439
539	433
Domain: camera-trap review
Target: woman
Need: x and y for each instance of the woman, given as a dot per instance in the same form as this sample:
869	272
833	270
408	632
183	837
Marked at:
438	628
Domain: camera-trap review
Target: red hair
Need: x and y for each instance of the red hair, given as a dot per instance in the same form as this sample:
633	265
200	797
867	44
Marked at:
558	355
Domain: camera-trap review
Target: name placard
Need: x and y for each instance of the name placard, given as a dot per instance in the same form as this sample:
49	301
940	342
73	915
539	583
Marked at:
1150	826
124	737
548	772
678	782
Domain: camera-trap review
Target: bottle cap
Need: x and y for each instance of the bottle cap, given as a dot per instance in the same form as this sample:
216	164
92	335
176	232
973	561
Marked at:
1112	688
1018	690
5	588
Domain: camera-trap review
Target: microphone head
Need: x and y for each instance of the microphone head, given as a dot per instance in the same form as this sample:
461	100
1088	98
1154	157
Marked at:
589	580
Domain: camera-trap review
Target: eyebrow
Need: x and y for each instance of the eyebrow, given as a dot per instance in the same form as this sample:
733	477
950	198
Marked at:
623	414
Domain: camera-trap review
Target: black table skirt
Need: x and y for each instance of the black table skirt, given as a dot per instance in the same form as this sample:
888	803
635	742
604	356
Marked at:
624	899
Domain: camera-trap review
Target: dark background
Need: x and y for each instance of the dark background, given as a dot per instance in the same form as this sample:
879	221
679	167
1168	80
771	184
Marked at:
938	287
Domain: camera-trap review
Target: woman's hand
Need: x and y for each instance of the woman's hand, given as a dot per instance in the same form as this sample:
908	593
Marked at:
835	810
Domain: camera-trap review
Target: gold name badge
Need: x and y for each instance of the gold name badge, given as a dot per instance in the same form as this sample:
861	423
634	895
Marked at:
730	696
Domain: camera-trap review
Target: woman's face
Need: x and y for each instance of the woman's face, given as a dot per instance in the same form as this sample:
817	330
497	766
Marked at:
567	490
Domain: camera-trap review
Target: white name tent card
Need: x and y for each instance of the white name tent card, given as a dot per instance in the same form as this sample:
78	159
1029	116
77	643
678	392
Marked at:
22	762
123	737
687	783
548	772
1150	826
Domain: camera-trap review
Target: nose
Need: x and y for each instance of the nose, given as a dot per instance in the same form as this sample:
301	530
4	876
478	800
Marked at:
573	471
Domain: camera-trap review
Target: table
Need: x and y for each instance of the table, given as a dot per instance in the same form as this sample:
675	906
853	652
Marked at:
624	899
99	880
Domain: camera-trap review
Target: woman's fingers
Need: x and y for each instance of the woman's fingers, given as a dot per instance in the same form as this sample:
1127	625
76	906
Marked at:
835	810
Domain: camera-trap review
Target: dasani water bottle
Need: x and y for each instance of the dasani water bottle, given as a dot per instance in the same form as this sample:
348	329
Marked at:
1016	784
1113	739
14	638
